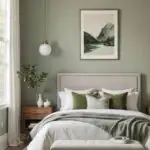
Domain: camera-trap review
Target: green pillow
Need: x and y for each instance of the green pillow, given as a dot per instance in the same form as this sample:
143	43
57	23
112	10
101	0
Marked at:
117	101
79	101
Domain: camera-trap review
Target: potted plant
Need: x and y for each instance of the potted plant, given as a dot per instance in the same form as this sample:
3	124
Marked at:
33	79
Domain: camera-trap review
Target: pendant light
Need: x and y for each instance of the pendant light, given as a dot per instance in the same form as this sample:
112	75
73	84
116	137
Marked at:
45	49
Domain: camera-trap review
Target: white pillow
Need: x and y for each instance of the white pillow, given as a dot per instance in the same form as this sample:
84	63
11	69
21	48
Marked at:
117	91
79	91
69	100
97	103
132	97
62	98
132	101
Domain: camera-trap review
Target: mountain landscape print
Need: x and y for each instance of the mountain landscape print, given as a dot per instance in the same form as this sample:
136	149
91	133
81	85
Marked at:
99	34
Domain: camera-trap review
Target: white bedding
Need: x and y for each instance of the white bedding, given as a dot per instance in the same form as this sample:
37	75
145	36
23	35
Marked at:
75	130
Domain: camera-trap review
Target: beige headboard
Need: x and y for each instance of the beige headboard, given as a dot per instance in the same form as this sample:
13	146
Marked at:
113	81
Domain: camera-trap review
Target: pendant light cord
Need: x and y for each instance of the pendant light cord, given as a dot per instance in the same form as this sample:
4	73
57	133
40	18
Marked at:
45	20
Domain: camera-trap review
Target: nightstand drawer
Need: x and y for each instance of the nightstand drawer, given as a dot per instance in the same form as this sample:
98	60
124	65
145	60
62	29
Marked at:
35	111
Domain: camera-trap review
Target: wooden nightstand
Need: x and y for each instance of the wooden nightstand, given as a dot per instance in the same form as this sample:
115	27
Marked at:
33	114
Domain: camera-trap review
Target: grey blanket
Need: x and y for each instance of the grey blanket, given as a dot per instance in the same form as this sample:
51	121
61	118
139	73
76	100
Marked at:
133	127
116	125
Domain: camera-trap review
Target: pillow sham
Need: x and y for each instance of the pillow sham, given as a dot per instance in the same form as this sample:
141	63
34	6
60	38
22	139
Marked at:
117	91
79	91
132	101
97	102
79	101
62	98
117	101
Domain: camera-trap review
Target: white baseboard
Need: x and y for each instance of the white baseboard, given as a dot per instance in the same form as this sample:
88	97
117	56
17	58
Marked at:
3	141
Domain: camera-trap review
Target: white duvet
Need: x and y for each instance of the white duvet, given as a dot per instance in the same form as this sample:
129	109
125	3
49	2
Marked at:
74	130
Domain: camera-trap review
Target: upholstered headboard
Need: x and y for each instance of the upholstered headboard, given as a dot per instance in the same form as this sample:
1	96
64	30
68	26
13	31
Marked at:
113	81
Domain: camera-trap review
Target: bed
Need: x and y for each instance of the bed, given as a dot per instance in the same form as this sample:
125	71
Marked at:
89	124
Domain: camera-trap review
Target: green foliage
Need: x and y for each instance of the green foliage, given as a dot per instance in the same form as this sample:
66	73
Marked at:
31	76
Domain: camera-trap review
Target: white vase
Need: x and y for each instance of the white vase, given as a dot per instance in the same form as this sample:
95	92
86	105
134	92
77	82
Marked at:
39	100
47	103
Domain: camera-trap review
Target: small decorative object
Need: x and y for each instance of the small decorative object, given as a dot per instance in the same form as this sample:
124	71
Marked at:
45	49
47	103
121	140
39	100
99	34
33	79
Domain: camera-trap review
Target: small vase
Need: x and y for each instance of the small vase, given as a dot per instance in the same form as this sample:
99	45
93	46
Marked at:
39	100
47	103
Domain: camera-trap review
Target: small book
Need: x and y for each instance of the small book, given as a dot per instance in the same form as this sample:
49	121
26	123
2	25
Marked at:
121	140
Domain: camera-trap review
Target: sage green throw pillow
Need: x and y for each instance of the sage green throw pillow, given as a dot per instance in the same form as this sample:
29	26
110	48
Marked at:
79	101
117	101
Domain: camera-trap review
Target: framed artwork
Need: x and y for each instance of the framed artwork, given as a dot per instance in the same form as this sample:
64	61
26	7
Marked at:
99	34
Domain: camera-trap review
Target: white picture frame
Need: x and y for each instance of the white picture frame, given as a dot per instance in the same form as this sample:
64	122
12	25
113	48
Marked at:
99	34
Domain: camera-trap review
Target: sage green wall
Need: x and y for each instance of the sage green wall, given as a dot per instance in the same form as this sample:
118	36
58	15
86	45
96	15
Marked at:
63	23
3	121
